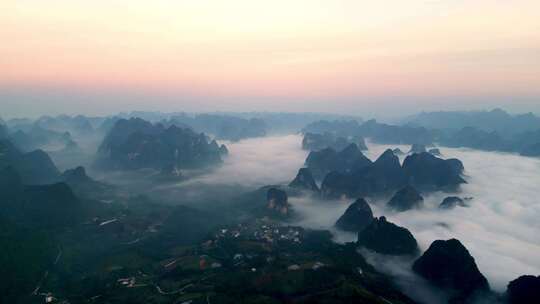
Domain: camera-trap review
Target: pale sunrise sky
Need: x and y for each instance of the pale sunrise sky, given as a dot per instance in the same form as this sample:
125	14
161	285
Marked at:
103	55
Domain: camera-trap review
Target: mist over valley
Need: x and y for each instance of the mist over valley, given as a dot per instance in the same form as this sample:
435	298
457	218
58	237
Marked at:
155	208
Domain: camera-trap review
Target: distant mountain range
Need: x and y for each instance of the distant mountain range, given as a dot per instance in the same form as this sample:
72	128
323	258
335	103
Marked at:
496	120
221	126
275	122
34	167
136	144
494	130
375	131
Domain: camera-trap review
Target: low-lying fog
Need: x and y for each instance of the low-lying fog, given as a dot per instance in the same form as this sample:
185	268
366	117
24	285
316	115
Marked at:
259	161
251	164
500	228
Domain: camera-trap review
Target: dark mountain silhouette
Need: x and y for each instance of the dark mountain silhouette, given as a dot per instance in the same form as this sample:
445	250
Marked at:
386	175
377	132
38	137
123	128
316	142
382	176
33	220
387	238
449	265
406	199
327	160
84	186
397	151
451	202
357	216
351	158
304	180
221	126
107	124
77	175
135	144
427	171
37	206
34	167
277	201
525	289
390	134
223	151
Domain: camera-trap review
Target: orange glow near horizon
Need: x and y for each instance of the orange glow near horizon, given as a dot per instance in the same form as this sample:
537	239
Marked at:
291	48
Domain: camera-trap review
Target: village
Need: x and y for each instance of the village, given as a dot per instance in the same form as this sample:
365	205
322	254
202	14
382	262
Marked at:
260	246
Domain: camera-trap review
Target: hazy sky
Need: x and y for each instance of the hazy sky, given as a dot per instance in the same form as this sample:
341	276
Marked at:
96	56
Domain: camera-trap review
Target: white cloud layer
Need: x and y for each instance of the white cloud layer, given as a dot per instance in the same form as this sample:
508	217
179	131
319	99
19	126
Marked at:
259	161
501	227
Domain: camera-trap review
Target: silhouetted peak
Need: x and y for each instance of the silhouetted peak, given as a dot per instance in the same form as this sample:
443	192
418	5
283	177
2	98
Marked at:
277	200
357	216
304	180
451	202
397	151
77	174
387	238
388	158
136	144
223	150
350	150
406	199
525	289
387	154
318	141
427	170
499	111
448	264
173	128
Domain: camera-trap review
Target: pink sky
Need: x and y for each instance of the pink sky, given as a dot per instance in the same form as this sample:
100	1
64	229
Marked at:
296	49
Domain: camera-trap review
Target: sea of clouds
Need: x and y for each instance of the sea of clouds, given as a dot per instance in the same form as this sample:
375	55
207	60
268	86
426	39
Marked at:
500	228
